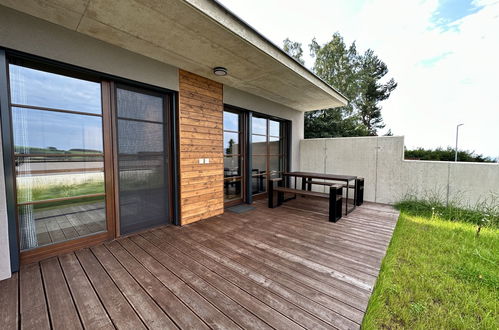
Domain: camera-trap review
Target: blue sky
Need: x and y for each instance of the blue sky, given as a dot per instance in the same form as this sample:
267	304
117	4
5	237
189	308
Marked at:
444	55
42	129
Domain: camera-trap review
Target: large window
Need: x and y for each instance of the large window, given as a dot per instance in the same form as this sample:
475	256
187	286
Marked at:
58	154
268	152
233	149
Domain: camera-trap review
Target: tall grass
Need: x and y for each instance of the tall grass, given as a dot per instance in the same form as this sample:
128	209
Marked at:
485	212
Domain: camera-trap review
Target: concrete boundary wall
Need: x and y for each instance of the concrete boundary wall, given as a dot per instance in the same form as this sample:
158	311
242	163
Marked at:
388	177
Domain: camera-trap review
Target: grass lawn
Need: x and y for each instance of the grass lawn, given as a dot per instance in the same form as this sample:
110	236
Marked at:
437	274
57	191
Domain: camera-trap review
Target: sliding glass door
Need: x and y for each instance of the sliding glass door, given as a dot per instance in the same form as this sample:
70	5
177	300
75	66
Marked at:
255	151
91	157
142	159
268	146
233	160
57	123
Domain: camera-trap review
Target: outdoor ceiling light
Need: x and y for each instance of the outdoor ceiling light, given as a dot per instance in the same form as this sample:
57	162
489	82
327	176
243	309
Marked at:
220	71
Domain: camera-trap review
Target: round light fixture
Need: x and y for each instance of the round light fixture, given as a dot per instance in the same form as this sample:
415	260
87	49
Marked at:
220	71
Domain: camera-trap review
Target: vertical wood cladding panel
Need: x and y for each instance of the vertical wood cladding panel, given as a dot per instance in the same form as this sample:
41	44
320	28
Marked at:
201	136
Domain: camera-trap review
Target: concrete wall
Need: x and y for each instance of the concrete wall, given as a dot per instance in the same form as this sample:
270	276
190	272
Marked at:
252	102
388	177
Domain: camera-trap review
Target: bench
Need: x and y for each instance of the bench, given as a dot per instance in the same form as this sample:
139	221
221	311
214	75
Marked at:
358	187
335	197
359	193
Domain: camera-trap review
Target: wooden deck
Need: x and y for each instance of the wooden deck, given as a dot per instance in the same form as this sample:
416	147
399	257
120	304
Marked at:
285	268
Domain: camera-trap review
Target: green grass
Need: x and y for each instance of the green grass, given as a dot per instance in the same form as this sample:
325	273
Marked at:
437	274
58	191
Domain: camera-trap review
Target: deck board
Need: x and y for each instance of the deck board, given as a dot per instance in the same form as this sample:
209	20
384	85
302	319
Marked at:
63	314
245	299
33	307
283	268
92	313
9	302
224	303
145	306
119	310
178	311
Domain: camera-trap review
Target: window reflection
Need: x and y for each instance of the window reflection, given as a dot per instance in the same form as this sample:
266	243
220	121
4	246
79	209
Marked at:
231	121
232	167
44	89
231	143
274	128
49	132
259	126
58	156
268	153
232	159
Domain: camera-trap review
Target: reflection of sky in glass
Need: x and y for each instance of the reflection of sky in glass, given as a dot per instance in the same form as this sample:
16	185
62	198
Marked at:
274	128
44	89
259	125
231	121
64	131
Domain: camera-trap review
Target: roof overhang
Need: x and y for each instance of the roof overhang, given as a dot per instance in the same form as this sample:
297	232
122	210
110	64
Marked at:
194	35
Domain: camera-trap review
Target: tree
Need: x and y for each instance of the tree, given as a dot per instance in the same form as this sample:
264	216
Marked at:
371	91
337	64
358	77
230	148
294	50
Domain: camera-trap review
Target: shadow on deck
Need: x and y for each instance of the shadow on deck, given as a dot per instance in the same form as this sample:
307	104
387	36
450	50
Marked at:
286	268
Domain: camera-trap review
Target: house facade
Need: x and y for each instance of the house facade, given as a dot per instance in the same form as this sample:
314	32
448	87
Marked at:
120	116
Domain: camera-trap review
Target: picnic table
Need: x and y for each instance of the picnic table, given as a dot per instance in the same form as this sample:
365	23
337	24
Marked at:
309	179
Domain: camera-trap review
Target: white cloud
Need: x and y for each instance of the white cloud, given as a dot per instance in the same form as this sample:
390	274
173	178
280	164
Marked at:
446	75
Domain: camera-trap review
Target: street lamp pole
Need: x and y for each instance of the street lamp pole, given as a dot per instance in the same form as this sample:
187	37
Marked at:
457	137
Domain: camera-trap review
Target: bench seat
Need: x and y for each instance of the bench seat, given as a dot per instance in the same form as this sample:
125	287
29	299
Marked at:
335	196
304	192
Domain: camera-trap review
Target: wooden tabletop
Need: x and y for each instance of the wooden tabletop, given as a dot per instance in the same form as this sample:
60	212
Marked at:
324	176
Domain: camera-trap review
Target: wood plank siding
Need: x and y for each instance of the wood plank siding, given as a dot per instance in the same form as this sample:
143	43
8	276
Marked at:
282	268
201	136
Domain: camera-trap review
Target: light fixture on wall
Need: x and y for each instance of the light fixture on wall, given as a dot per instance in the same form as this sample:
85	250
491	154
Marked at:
220	71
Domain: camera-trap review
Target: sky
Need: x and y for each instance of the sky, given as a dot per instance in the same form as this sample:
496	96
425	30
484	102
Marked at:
443	54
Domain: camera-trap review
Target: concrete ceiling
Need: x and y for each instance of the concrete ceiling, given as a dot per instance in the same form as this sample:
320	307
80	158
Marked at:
194	35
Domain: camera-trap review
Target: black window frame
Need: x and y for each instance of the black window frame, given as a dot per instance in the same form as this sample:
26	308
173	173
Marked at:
286	130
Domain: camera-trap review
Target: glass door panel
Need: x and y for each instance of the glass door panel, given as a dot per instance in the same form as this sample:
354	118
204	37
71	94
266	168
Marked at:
268	152
233	180
59	156
142	160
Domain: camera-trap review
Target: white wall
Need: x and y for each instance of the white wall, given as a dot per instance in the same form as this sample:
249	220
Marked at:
4	227
252	102
388	177
28	34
